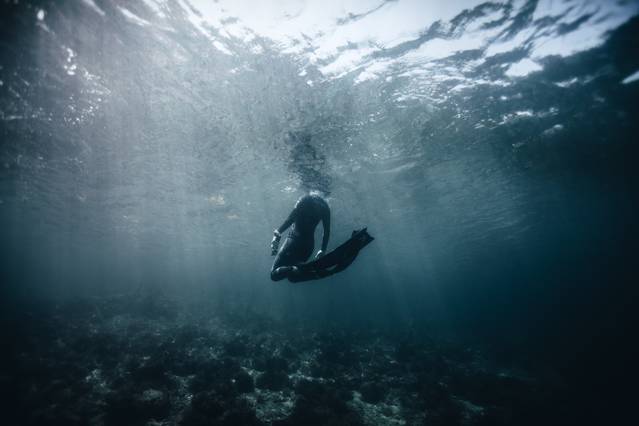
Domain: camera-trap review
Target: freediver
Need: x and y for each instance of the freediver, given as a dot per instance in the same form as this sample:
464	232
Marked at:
291	261
309	210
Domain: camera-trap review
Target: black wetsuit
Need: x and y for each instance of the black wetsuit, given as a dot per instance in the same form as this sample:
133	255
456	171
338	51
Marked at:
298	246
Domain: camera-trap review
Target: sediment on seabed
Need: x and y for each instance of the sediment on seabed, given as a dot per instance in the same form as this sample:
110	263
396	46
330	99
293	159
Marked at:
120	361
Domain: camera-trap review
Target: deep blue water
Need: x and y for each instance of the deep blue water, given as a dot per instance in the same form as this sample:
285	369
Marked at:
148	149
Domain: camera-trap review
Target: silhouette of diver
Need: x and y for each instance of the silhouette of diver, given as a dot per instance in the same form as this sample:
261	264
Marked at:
308	212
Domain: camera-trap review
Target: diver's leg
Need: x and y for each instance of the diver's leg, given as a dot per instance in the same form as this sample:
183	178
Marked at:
336	260
303	252
282	272
285	260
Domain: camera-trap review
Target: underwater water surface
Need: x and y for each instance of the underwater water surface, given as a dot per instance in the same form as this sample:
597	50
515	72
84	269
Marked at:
148	148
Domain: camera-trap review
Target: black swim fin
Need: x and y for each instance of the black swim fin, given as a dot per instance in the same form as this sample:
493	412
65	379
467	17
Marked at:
334	261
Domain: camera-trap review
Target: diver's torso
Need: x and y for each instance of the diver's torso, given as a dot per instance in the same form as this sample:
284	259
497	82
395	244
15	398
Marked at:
310	209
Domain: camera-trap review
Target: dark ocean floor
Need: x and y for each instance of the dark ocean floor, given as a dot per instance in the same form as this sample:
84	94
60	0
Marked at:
122	361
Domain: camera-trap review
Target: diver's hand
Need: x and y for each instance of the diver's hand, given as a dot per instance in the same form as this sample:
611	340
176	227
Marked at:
319	254
275	242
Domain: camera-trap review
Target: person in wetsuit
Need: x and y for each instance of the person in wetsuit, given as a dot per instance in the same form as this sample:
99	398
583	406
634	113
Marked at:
300	242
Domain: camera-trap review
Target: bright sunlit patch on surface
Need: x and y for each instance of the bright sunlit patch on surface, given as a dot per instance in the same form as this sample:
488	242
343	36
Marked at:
631	78
553	130
567	83
133	17
523	68
156	6
373	71
441	48
526	113
221	47
346	61
94	6
581	25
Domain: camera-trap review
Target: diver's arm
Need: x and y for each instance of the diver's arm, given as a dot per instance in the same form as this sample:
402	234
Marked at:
326	222
288	222
277	234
